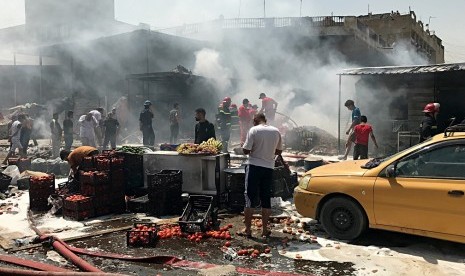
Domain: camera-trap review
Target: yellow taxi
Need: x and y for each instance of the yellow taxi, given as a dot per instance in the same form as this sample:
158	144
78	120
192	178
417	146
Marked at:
418	191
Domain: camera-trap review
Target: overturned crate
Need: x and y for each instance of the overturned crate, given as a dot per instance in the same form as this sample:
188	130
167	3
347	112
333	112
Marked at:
198	215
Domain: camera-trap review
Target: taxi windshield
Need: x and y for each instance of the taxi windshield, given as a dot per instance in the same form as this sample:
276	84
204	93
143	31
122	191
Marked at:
374	162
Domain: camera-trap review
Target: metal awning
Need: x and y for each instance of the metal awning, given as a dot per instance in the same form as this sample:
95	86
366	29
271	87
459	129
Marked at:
160	76
416	69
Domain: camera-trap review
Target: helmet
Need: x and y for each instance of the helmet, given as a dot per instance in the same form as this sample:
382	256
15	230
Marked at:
227	99
147	103
431	108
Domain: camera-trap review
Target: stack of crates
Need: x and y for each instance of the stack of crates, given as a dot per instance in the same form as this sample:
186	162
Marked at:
78	207
118	184
165	192
103	179
133	167
41	187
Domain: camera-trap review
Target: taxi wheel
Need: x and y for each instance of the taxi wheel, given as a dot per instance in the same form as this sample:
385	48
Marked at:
343	219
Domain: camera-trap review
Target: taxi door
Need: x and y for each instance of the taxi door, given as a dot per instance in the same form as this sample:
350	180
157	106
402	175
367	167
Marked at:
427	192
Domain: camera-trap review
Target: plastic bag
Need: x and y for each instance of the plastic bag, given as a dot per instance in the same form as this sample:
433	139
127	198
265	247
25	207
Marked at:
13	172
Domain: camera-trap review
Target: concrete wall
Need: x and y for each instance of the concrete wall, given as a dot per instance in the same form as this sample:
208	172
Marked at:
405	28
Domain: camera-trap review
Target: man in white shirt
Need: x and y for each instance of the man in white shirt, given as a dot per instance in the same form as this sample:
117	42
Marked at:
87	124
262	144
14	137
98	115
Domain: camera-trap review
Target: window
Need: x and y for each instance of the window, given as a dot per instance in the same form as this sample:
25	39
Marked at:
440	162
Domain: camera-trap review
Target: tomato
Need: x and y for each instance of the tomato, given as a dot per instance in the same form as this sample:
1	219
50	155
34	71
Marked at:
254	255
230	226
267	250
256	252
227	244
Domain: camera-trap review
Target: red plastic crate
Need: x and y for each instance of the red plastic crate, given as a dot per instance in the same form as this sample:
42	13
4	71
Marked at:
102	163
78	215
86	177
103	210
143	238
95	190
101	177
84	204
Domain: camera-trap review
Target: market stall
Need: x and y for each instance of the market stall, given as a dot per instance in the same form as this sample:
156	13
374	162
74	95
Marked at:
202	174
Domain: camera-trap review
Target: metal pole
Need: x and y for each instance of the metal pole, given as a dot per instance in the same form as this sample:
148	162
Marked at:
264	9
300	14
239	13
339	119
14	77
40	81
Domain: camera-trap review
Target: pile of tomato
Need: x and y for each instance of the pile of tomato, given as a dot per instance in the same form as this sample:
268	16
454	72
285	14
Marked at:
117	161
39	179
171	231
103	163
142	234
76	198
223	233
253	253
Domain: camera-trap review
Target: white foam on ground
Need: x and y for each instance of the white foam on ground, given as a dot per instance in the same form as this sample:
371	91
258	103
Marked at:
417	259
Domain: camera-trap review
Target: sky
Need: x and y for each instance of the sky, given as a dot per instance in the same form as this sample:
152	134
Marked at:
445	17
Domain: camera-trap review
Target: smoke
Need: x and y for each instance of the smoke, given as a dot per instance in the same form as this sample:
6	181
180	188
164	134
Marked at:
293	65
299	71
208	64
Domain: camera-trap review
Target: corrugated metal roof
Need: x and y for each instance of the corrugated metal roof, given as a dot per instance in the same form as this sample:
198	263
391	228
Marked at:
417	69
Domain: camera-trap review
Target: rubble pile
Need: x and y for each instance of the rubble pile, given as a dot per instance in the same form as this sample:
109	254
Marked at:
312	140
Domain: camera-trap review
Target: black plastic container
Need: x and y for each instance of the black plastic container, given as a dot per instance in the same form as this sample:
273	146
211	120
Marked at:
198	215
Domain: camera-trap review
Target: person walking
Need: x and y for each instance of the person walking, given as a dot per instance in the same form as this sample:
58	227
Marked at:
262	144
87	124
204	130
68	129
362	133
98	115
145	123
14	137
224	123
429	126
56	132
350	104
174	123
269	107
26	131
245	119
111	126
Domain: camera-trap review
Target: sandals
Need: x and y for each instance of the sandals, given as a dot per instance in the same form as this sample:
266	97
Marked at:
242	233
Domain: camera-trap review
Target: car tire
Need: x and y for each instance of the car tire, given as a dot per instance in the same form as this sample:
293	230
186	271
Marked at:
343	219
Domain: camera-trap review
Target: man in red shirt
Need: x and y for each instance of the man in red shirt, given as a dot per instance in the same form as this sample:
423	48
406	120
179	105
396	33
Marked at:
269	107
245	119
361	132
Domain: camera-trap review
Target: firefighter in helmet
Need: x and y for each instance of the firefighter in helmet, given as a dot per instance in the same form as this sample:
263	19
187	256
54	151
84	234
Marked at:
224	122
429	127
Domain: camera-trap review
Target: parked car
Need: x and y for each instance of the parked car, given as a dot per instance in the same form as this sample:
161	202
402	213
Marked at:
418	191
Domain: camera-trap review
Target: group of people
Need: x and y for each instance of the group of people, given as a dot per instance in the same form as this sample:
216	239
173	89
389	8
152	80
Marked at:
359	133
227	116
245	114
95	130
